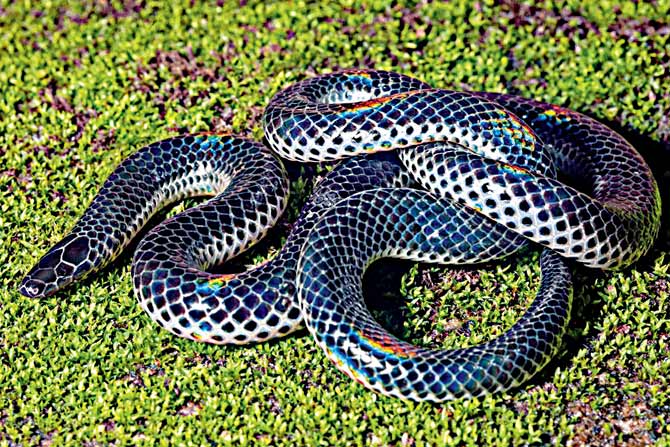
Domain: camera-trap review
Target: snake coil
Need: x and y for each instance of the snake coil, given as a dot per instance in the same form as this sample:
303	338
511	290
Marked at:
488	163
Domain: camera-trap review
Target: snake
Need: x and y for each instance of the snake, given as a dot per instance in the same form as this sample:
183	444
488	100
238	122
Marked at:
425	174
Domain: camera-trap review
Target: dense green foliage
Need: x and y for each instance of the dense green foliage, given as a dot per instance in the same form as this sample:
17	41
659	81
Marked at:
85	85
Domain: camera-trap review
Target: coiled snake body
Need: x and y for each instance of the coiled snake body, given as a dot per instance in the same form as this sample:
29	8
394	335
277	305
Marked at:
489	163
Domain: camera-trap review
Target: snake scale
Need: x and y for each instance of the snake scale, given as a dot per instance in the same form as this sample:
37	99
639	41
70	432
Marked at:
426	174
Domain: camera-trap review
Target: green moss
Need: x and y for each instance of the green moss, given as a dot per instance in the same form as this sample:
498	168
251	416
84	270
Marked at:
85	85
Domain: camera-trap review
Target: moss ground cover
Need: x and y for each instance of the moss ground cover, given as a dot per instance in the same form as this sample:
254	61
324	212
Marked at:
84	85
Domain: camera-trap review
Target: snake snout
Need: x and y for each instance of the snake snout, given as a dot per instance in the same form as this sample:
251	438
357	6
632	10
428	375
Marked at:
38	283
32	288
64	263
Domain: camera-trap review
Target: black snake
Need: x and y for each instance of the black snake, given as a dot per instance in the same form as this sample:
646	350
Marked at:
489	163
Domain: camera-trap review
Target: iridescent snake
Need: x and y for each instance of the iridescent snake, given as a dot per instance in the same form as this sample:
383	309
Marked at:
489	163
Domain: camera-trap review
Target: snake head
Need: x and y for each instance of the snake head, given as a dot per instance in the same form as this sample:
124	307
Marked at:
65	262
